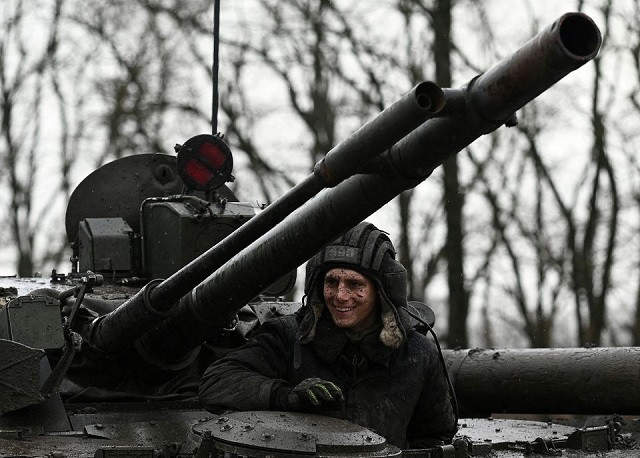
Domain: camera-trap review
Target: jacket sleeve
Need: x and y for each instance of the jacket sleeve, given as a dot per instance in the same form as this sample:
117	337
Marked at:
243	380
434	420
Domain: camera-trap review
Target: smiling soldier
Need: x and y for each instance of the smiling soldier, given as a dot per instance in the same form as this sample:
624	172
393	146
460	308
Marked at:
350	351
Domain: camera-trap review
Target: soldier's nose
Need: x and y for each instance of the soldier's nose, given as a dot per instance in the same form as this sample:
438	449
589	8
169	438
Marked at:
342	293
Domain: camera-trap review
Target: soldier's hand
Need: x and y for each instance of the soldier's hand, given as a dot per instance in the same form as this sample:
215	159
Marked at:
315	393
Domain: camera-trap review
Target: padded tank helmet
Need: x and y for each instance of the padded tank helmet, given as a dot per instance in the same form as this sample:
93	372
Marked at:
367	250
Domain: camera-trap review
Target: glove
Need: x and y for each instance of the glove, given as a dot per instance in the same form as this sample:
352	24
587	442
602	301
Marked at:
312	394
314	391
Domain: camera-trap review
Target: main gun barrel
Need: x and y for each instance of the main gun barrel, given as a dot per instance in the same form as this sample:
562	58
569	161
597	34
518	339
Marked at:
486	102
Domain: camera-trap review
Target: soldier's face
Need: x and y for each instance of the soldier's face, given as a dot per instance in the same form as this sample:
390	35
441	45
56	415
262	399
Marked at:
350	298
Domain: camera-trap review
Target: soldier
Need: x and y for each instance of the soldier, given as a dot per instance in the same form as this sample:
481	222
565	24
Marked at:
349	352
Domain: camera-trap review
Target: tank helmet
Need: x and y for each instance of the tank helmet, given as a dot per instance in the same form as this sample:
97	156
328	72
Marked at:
368	250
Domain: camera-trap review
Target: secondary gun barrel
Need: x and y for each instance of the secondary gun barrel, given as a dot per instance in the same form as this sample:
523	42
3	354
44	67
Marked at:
490	99
549	380
157	300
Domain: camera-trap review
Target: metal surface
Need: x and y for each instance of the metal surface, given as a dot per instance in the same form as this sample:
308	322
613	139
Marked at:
117	189
195	226
500	432
122	434
14	287
568	43
105	244
19	375
34	321
292	434
549	380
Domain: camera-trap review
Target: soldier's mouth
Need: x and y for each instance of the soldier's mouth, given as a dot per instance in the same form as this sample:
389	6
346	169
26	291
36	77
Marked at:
344	309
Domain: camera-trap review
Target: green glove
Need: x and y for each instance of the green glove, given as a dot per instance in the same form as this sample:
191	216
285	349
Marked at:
314	392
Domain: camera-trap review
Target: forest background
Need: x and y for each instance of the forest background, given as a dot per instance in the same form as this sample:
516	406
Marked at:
529	237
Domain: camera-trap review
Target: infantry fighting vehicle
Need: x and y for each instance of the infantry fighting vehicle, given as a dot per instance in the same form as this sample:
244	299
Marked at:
170	271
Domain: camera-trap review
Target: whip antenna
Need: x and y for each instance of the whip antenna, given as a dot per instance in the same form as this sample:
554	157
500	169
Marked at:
214	72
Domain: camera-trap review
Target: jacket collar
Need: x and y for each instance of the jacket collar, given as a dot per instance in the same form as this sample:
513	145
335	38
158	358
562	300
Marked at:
330	341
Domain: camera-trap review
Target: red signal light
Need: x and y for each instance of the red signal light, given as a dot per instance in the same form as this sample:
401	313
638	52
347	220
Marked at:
205	162
198	172
212	154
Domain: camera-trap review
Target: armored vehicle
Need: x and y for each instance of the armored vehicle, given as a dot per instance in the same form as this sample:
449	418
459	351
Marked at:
170	271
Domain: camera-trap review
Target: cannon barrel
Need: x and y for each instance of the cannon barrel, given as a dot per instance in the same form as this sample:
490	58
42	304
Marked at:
484	104
114	332
549	380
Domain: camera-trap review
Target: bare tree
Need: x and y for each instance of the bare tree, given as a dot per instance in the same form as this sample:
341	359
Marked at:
141	90
630	136
24	71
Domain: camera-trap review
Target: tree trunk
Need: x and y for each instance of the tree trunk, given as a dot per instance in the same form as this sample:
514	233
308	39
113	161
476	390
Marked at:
453	199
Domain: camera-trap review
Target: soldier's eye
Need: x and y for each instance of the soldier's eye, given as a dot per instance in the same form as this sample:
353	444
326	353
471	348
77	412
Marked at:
355	284
329	281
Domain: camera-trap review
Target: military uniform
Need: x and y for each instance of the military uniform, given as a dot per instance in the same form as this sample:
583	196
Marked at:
390	375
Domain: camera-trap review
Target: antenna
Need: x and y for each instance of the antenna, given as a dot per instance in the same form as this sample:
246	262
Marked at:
214	72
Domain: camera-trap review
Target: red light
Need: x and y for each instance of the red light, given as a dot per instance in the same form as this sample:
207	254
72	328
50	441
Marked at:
198	172
212	155
205	162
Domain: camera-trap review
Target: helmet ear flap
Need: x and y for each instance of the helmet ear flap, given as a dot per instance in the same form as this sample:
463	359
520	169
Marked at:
394	282
312	270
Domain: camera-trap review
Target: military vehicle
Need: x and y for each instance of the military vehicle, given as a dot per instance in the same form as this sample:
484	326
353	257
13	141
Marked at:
170	271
